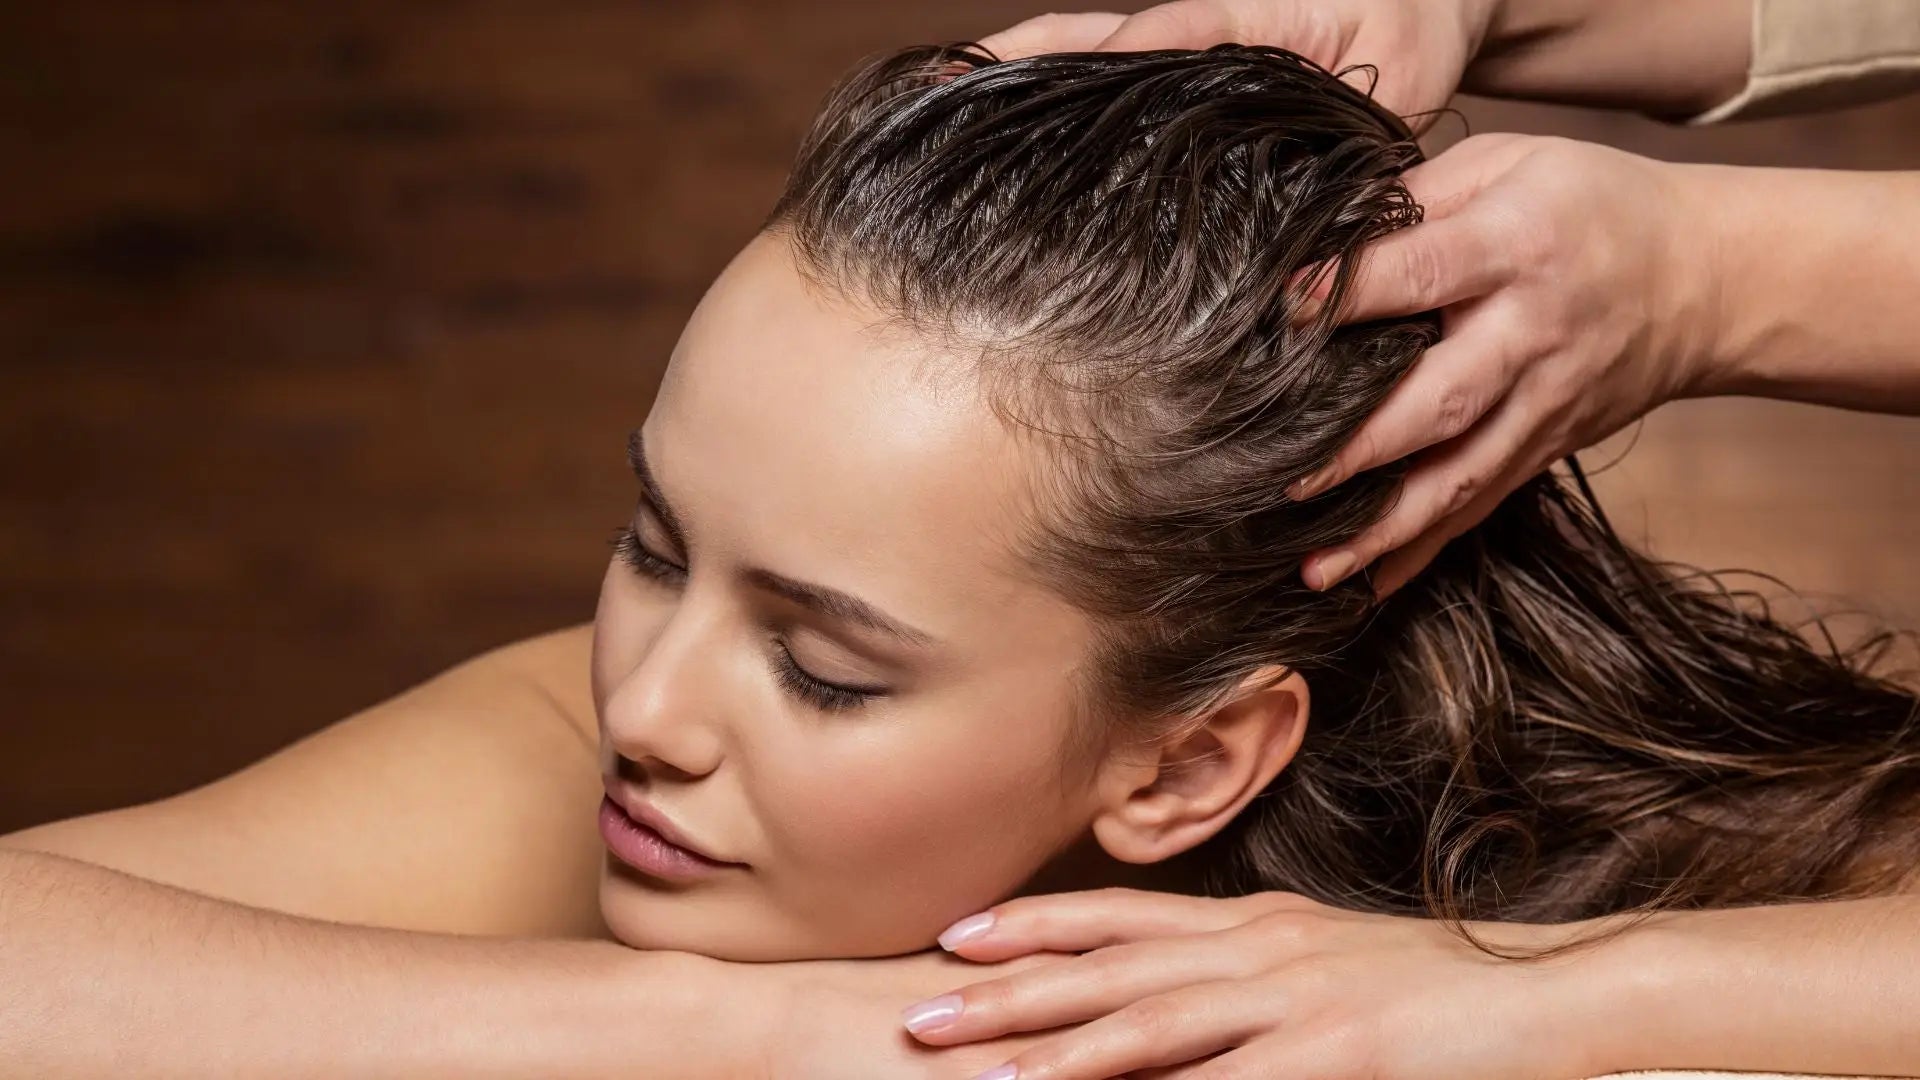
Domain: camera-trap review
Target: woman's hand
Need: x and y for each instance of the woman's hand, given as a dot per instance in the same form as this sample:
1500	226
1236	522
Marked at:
1270	985
1419	47
1578	291
840	1019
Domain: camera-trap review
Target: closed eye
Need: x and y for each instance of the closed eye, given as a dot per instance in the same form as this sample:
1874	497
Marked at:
794	679
626	543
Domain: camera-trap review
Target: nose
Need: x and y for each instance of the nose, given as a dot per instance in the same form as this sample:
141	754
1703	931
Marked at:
665	714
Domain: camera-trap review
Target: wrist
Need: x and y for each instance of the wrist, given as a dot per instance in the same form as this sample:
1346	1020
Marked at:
1626	1000
739	1011
699	1018
1706	237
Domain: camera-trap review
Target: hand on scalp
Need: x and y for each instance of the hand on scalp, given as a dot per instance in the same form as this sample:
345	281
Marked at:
1415	49
1269	985
1572	300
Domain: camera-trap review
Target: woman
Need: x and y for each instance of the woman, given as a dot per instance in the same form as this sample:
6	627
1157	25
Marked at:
965	567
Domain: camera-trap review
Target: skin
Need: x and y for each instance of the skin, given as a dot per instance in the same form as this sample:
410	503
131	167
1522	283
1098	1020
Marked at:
1580	287
1671	57
238	928
870	823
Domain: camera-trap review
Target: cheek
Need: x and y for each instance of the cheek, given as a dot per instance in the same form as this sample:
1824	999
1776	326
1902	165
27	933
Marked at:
944	805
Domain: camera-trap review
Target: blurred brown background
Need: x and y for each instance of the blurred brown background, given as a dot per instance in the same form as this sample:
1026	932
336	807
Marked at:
322	325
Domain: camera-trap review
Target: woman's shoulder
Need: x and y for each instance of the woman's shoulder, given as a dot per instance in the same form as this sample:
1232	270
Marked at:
462	805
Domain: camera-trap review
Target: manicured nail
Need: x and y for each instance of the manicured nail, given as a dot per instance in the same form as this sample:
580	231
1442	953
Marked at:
932	1013
1004	1072
966	930
1305	488
1334	568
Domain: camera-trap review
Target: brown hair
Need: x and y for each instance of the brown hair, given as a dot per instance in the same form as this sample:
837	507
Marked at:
1543	726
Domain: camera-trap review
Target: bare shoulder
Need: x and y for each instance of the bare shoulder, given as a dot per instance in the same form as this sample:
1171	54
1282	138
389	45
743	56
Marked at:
465	804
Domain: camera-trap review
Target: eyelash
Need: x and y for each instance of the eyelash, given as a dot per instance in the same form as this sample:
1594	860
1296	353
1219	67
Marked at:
815	691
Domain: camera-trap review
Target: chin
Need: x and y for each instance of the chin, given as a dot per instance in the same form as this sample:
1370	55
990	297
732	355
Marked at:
644	915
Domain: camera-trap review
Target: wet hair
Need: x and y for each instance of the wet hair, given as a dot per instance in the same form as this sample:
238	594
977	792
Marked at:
1545	725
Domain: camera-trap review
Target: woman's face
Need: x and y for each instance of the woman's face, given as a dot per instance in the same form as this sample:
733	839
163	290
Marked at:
827	670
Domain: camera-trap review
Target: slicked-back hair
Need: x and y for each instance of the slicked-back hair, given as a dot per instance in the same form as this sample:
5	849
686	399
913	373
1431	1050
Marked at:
1545	725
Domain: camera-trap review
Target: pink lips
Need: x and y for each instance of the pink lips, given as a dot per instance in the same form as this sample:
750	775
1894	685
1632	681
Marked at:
642	838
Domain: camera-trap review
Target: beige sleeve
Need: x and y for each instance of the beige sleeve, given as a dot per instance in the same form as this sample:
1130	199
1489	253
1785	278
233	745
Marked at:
1810	55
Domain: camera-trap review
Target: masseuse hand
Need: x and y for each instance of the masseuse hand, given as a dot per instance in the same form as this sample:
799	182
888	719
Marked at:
1420	47
1269	985
1576	294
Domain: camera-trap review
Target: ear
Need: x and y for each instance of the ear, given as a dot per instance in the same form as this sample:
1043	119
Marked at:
1158	802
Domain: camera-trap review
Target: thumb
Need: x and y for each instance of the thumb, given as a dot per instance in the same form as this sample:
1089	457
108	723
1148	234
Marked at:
1180	24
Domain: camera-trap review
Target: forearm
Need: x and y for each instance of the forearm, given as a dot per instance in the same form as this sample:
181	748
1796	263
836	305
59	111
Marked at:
102	971
1815	276
1830	988
1667	57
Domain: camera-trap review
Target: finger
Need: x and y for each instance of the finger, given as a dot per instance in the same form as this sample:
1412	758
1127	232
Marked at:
1398	567
1095	919
1444	183
1264	1058
1053	33
1078	990
1443	187
1180	24
1445	481
1184	1071
1449	388
1169	1029
1428	266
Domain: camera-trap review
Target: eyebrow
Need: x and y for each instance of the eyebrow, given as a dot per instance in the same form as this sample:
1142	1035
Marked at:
832	603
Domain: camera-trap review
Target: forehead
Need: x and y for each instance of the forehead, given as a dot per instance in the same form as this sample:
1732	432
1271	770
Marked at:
811	439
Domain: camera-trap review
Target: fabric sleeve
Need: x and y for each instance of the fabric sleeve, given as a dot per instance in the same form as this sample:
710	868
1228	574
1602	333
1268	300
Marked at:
1810	55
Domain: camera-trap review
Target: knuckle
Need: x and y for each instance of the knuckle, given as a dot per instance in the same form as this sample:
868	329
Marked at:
1288	926
1423	270
1349	1047
1152	1020
989	1001
1266	903
1455	408
1456	491
1532	241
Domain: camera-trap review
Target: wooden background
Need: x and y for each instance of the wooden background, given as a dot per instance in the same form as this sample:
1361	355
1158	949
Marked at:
322	324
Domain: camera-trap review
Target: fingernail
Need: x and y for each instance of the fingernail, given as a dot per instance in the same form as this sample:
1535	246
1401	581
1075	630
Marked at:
1334	568
1004	1072
932	1013
966	930
1305	488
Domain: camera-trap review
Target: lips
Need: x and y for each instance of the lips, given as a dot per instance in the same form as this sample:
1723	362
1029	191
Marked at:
643	838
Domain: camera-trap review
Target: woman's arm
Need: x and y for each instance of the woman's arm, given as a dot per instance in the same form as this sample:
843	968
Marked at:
106	972
1830	988
317	914
1277	985
305	915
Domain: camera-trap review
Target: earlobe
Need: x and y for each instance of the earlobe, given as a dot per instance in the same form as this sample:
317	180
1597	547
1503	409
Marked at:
1154	808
